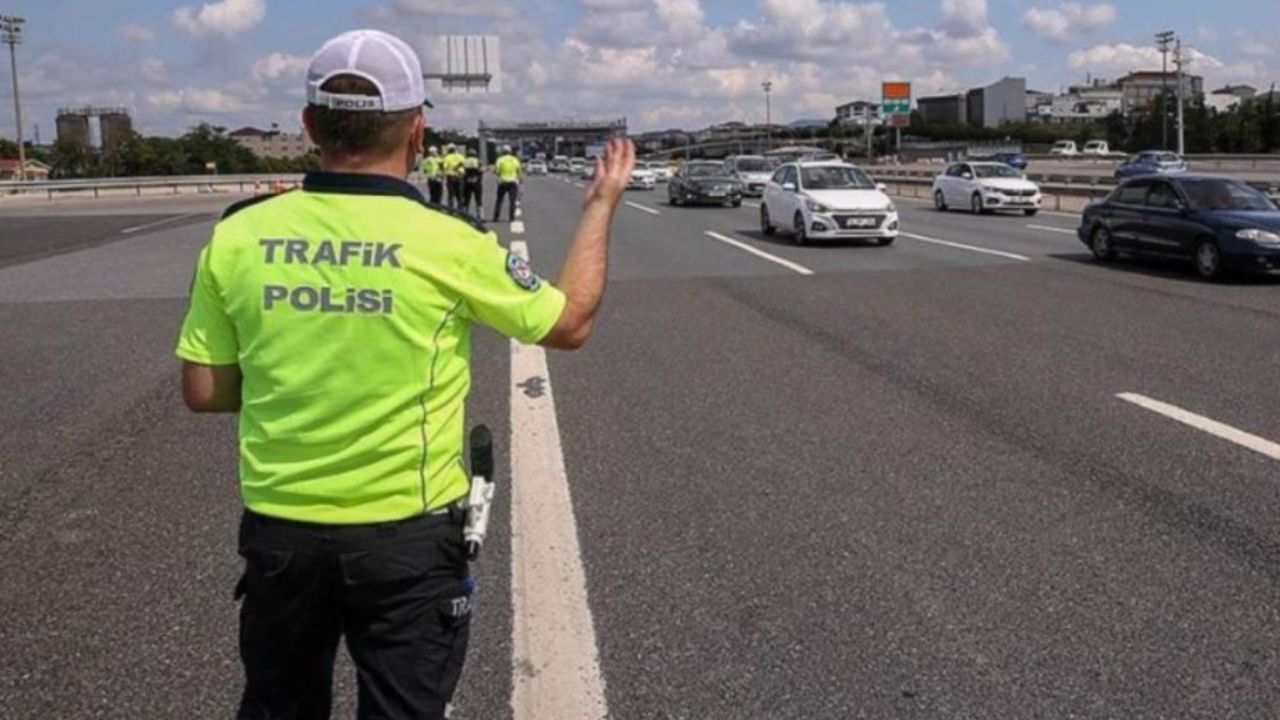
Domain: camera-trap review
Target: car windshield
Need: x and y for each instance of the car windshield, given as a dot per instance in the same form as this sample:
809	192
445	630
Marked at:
753	165
1209	195
996	171
704	170
835	177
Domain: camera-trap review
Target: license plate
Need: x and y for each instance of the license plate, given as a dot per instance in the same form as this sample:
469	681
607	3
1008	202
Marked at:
860	222
715	193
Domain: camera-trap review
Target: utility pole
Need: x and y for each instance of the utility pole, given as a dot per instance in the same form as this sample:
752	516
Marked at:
1179	60
11	34
768	113
1163	41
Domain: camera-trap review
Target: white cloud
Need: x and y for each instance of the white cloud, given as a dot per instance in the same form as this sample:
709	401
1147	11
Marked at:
134	33
281	66
198	101
1069	20
964	18
153	70
223	17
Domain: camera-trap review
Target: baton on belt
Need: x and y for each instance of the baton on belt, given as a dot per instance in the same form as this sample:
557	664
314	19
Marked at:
482	486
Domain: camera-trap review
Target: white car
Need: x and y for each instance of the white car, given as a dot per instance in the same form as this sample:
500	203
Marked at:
753	171
642	178
661	171
1097	148
827	201
1065	148
536	167
985	186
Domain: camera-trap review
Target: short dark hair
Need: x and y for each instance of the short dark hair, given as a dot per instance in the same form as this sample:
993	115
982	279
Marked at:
347	132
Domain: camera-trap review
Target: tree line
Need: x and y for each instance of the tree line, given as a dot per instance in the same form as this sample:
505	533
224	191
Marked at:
187	154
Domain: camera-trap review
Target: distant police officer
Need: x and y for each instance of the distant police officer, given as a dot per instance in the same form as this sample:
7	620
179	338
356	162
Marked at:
337	321
453	166
508	170
472	184
433	169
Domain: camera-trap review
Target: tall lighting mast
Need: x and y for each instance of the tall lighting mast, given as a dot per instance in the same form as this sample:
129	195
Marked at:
1163	41
767	85
11	35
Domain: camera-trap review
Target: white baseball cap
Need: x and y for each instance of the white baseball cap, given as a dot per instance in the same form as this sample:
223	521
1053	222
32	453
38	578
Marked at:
381	58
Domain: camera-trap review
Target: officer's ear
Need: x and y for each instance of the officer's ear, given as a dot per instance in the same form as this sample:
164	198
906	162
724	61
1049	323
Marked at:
420	134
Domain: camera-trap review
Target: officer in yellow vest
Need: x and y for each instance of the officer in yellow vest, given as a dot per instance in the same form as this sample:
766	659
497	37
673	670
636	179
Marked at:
336	320
509	172
433	169
472	184
452	165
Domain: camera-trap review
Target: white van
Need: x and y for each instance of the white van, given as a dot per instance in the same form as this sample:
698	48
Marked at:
1066	148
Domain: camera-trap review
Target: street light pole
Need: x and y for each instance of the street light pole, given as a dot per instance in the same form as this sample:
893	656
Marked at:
1179	60
11	34
1163	40
768	113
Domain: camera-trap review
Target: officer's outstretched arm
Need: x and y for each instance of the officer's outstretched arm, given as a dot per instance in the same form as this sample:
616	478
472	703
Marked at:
582	279
211	388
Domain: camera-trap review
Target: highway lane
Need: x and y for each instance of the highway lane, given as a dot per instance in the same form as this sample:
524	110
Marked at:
901	486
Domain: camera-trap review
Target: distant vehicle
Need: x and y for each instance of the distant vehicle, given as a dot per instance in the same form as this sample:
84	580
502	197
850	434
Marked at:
1151	162
1097	148
662	172
575	167
587	170
753	171
1065	148
1219	224
983	187
642	178
704	183
1015	160
794	153
558	164
827	200
536	167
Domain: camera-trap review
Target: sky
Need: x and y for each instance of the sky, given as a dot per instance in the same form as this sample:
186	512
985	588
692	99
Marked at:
659	63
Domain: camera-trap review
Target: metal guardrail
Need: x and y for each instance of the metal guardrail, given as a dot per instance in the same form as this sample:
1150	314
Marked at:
97	186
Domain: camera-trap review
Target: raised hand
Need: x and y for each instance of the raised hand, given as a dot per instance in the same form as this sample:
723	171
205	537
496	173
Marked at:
613	172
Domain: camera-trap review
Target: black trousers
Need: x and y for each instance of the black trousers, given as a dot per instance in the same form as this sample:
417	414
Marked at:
399	593
453	185
473	191
435	190
508	190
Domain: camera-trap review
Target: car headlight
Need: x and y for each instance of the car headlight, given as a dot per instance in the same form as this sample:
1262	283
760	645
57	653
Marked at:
1261	237
815	206
991	191
891	208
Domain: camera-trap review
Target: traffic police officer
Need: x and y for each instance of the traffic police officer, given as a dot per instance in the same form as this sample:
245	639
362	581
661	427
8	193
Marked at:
453	167
472	184
509	171
433	169
336	320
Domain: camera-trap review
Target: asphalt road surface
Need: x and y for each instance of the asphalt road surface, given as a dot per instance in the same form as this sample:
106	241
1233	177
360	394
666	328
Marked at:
970	475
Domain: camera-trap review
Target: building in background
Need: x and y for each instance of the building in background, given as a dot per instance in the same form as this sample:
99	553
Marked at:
943	109
273	143
1142	87
1003	101
75	126
858	112
1082	104
1225	98
36	170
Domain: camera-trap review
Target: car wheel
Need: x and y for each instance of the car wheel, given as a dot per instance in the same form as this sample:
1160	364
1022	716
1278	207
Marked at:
975	204
799	233
766	227
939	201
1101	245
737	203
673	199
1030	213
1209	260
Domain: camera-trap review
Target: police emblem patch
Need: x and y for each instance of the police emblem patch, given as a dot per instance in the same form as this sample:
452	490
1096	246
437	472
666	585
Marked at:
520	271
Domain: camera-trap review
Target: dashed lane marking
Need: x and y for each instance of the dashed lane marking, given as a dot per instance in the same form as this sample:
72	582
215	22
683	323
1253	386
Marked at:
793	266
644	208
962	246
1050	228
1204	424
750	204
163	221
556	663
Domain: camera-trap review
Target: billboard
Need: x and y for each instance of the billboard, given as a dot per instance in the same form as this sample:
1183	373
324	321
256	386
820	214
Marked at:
895	104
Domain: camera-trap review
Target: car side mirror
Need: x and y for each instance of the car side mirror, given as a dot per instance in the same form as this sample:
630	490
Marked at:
882	187
789	187
966	176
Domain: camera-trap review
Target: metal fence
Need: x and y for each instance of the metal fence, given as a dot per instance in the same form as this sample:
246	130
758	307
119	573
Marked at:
175	185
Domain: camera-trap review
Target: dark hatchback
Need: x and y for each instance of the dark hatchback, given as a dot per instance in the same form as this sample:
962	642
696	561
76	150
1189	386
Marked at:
1015	160
704	183
1221	225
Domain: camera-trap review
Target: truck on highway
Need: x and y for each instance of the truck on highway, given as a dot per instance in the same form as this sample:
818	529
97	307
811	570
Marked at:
1097	148
1065	148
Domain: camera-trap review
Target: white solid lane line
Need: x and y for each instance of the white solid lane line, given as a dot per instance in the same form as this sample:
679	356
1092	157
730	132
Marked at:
1200	422
1050	228
517	227
643	208
579	185
796	267
555	661
750	204
175	218
962	246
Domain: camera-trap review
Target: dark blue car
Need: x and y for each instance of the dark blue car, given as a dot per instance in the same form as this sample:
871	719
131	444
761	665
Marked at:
1151	162
1015	160
1219	224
